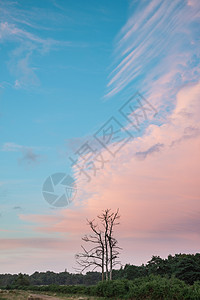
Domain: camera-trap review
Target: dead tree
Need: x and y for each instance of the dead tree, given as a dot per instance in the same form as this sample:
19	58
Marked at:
109	220
105	252
95	257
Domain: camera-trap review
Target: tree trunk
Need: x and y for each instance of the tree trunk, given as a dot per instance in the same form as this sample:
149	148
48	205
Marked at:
111	260
106	249
102	272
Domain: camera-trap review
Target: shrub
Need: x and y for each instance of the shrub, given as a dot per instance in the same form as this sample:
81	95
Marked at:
112	288
153	287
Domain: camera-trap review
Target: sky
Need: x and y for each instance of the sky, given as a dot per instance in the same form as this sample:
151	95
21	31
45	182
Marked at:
99	98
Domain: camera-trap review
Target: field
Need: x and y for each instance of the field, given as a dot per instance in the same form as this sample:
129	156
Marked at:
24	295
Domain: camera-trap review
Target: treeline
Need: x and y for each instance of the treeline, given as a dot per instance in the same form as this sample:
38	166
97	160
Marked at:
48	278
185	267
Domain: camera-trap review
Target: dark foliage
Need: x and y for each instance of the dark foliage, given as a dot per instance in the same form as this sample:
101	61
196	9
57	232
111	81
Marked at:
153	287
185	267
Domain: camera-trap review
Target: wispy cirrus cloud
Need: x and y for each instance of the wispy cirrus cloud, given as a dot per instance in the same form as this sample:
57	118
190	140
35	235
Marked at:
11	147
24	46
10	32
157	49
27	40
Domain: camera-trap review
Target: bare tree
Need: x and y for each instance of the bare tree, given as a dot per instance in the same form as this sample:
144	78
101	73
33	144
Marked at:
109	220
105	252
95	256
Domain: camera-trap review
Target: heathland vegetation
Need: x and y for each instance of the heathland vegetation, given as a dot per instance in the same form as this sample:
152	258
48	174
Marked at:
176	277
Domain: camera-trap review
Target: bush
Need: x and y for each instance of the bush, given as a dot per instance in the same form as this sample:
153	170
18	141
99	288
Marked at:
112	288
157	288
153	287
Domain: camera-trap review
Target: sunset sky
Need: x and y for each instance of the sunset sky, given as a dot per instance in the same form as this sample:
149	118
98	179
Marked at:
67	70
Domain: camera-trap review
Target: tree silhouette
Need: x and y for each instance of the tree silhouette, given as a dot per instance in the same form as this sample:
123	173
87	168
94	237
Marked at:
105	251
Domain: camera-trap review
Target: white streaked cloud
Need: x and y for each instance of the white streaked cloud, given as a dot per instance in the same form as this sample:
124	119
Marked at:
20	29
25	45
11	147
9	31
157	46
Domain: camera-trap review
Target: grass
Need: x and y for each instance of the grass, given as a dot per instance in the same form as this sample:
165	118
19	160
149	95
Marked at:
14	295
23	295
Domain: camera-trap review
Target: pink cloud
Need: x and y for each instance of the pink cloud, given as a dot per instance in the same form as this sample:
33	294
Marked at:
35	243
158	196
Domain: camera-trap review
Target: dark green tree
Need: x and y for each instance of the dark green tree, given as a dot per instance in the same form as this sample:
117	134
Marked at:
21	280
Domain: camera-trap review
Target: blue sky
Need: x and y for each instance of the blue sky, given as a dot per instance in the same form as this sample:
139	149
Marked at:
55	60
66	68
